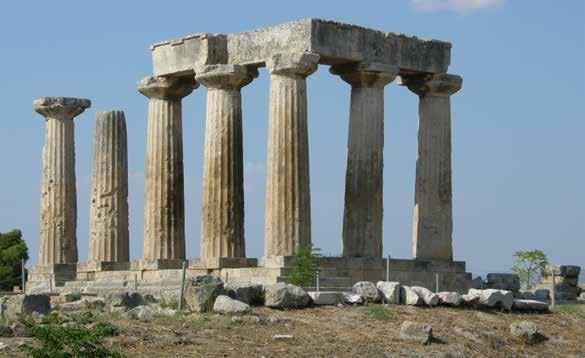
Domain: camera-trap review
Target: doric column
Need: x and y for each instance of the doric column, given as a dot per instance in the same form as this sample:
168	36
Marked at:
222	205
108	212
433	218
288	198
58	240
164	205
363	210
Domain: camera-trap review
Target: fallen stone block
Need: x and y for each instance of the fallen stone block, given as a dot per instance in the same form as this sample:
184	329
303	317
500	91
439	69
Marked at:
469	300
282	337
390	291
427	296
201	292
326	297
87	303
409	297
529	305
352	298
411	331
141	313
538	294
367	290
126	300
527	331
249	293
449	298
226	305
494	298
284	295
12	307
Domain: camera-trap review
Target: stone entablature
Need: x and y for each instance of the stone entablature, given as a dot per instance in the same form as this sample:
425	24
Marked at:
335	43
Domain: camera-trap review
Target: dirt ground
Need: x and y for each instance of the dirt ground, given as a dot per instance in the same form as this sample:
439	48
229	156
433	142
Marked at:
370	331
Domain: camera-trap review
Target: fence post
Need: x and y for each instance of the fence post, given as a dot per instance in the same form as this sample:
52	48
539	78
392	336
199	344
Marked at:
436	282
50	283
182	285
23	286
388	268
317	275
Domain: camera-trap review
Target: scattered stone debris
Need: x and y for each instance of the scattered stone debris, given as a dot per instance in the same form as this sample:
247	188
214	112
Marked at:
200	292
529	305
226	305
282	337
411	331
527	331
390	291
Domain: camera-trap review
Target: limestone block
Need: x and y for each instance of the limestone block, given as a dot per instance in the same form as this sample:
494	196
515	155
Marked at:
529	305
141	313
417	332
201	292
86	303
449	298
249	293
494	298
367	290
527	331
226	305
352	298
562	270
409	297
390	291
12	307
426	295
503	281
283	295
326	297
469	300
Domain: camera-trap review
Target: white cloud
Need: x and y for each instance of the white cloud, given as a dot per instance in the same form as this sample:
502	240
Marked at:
463	7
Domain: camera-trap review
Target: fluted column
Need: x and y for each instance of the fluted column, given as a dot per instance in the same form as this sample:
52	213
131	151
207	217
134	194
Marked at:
164	205
433	212
222	205
288	198
58	224
108	212
363	210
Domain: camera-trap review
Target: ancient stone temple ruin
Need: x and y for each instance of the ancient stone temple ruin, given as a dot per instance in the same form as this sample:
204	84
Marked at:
367	60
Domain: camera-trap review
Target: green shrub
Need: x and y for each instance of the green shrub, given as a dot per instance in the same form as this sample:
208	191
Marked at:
12	251
305	266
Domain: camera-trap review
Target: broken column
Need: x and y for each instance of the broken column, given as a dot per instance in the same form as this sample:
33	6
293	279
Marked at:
222	205
58	240
108	213
363	209
288	199
164	206
433	217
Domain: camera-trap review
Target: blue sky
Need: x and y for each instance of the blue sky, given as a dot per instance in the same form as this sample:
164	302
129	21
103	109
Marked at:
518	122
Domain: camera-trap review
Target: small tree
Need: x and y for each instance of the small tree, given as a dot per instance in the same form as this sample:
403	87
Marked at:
305	266
528	265
12	251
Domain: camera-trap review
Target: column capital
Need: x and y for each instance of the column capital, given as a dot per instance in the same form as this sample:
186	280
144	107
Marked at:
166	87
222	76
442	84
60	107
296	64
366	74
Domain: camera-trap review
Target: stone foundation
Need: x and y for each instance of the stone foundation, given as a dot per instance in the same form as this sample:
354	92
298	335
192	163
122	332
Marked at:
159	277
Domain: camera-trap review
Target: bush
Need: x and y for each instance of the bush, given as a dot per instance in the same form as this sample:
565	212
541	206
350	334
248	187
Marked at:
305	266
528	265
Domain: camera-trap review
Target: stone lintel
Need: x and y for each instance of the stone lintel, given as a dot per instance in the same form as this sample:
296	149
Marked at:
335	42
158	264
60	107
214	263
97	266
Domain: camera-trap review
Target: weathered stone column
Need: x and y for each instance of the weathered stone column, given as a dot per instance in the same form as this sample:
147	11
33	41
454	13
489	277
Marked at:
58	240
222	205
164	205
363	210
288	198
108	212
433	218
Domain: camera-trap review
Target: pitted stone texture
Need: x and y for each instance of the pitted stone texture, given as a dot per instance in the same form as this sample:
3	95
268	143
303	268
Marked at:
449	298
411	331
327	297
494	298
58	214
12	307
288	198
201	292
433	209
222	205
427	296
409	297
249	293
283	295
226	305
363	209
108	212
503	281
367	290
164	205
390	291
